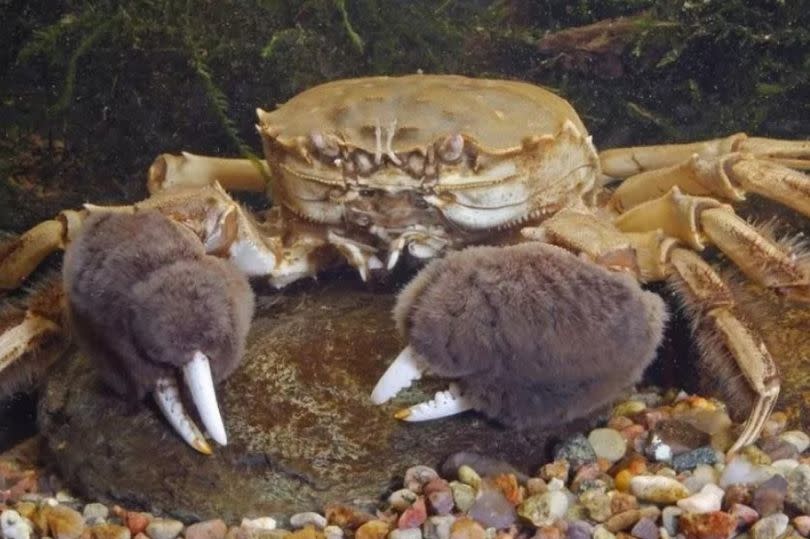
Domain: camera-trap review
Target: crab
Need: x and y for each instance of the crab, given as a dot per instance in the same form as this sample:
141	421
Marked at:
370	171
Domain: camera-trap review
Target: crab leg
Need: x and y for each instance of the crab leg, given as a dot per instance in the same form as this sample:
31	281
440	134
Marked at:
406	368
189	170
167	397
698	220
443	404
728	338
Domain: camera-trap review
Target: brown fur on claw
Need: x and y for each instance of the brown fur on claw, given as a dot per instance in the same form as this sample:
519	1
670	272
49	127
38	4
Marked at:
530	331
143	297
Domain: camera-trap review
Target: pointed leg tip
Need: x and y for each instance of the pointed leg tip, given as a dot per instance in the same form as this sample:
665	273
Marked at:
203	447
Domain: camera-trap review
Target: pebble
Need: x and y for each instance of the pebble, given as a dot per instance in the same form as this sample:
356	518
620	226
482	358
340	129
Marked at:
544	509
261	523
694	458
701	476
657	489
164	528
600	532
745	515
798	438
333	532
769	497
467	528
417	476
468	476
802	525
623	521
784	466
669	518
628	408
738	494
608	444
63	522
13	525
94	513
708	500
557	469
576	450
414	516
439	496
402	499
645	529
770	527
110	531
680	436
716	525
493	509
779	449
598	505
741	471
411	533
620	502
209	529
798	491
463	495
309	518
373	529
438	527
579	529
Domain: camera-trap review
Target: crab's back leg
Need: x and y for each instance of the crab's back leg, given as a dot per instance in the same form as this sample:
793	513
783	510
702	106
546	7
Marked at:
170	171
722	168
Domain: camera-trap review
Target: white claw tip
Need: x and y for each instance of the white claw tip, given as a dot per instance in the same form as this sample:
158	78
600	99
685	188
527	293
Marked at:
197	373
405	369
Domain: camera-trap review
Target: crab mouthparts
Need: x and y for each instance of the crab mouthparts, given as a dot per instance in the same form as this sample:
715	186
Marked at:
407	367
197	376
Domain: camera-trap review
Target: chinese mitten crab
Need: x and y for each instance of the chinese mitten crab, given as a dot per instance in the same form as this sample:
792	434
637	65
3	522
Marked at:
368	170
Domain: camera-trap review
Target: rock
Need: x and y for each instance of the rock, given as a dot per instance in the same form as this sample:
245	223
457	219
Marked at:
333	532
694	458
440	497
309	532
466	528
544	509
708	500
438	527
623	521
600	532
63	522
608	444
741	471
413	516
483	465
272	454
598	504
373	529
657	489
210	529
508	485
492	510
261	523
645	529
136	522
716	525
798	491
779	449
416	476
346	516
164	528
701	476
784	466
113	531
402	499
468	476
463	495
799	439
745	515
802	525
13	525
308	518
738	494
579	529
410	533
558	469
628	408
576	450
679	436
755	455
770	527
621	502
95	512
669	519
548	532
769	497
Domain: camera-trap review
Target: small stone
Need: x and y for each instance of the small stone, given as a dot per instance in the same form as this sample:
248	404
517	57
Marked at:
669	518
741	471
467	528
802	525
774	425
741	494
799	439
598	505
373	529
535	485
708	500
745	515
416	476
784	466
608	444
13	525
701	476
623	521
164	528
414	516
438	527
309	518
657	449
645	529
755	455
680	436
589	476
492	510
798	491
463	495
440	497
622	480
657	489
600	532
779	449
346	516
468	476
402	499
209	529
544	509
621	502
628	408
769	497
261	523
770	527
548	532
717	525
579	529
63	522
556	469
111	531
95	512
507	483
576	450
694	458
333	532
410	533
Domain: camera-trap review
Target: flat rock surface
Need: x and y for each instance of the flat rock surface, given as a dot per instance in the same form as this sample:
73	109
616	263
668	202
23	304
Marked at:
302	431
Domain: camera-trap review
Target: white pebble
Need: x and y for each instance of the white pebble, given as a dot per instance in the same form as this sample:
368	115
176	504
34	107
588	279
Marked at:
770	527
95	512
608	444
709	499
438	526
261	523
556	484
411	533
600	532
784	466
333	532
669	518
657	489
402	499
741	471
300	520
797	438
701	476
164	528
13	525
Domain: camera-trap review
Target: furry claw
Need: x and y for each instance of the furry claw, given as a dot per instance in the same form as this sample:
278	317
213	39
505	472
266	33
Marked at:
406	368
167	396
443	404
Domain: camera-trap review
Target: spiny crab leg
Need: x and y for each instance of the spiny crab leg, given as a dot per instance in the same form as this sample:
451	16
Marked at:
406	368
443	404
197	374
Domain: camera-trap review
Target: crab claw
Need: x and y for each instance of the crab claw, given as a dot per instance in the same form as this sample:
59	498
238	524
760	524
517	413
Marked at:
406	368
443	404
167	397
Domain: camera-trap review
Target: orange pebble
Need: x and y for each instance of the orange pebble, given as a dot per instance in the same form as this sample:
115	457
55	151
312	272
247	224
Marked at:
622	481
